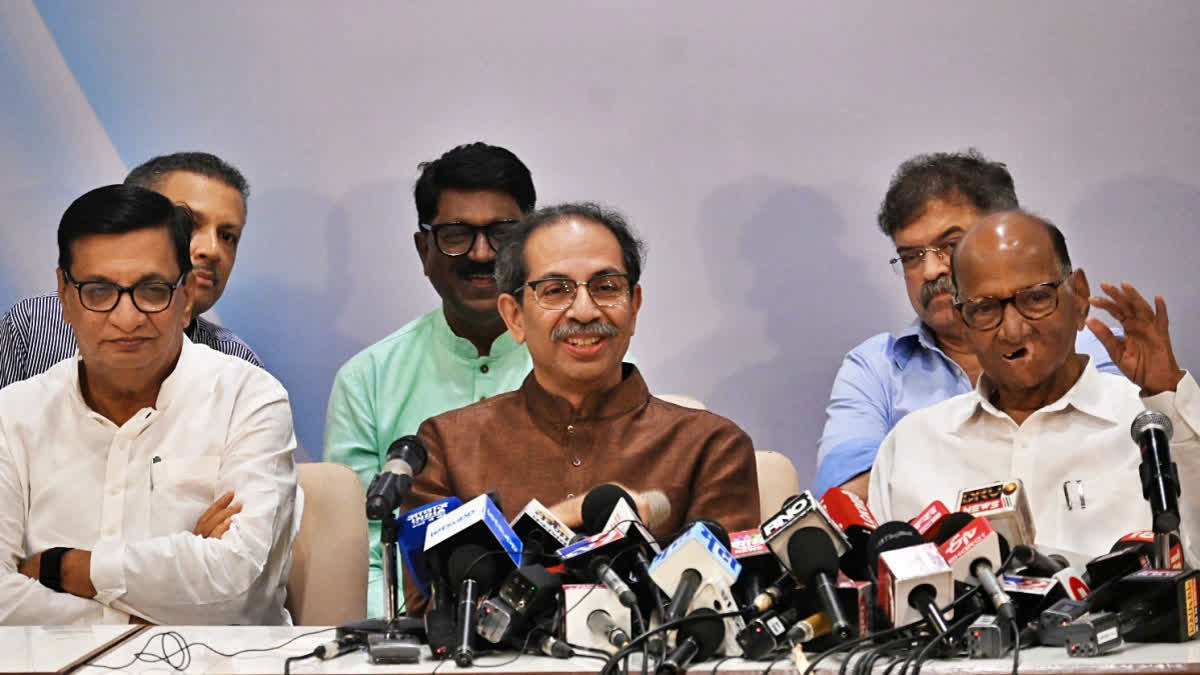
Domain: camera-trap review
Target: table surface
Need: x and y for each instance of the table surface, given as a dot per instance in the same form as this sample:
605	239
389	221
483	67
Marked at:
1133	658
55	649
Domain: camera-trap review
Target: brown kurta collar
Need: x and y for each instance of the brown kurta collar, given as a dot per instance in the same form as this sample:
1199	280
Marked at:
551	411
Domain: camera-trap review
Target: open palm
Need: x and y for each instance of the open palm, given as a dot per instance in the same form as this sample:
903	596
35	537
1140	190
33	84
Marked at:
1144	354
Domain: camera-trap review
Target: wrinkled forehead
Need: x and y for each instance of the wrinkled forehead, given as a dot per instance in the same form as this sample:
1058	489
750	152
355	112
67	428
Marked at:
998	266
573	247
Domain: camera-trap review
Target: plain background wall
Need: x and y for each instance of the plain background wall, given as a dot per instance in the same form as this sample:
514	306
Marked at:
750	144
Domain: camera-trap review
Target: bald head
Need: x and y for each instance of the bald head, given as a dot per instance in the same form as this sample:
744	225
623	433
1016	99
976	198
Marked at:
1014	238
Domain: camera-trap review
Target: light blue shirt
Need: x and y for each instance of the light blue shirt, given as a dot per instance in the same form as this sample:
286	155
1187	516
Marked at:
886	378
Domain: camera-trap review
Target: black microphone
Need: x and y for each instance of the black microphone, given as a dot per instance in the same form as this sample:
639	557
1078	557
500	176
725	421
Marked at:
608	502
405	458
473	570
1160	478
335	648
697	640
599	502
691	576
601	622
976	551
910	574
1036	563
815	562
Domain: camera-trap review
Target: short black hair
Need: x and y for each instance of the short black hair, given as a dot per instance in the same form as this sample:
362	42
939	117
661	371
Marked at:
117	209
1057	240
475	166
962	176
150	174
510	261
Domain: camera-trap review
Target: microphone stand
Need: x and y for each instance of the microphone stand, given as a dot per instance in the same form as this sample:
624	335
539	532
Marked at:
391	626
1162	550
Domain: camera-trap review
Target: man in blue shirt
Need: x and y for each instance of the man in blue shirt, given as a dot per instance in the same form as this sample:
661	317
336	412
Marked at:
929	205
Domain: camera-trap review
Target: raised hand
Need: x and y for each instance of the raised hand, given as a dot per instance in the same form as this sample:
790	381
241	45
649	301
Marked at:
1144	355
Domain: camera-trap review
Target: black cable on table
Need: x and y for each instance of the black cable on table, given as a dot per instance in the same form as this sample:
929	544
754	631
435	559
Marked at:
927	650
183	649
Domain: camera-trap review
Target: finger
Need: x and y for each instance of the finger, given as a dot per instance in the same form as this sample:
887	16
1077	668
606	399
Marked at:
221	529
1141	307
1114	345
1160	307
222	502
1108	306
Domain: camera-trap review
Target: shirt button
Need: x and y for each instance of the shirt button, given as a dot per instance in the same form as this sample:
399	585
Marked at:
570	495
110	531
576	462
570	428
483	368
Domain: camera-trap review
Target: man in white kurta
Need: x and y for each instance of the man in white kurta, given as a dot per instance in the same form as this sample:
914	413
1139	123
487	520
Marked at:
148	479
1041	412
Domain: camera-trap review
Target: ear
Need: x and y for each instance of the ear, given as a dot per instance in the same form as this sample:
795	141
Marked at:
635	305
513	315
1079	286
421	241
187	293
66	297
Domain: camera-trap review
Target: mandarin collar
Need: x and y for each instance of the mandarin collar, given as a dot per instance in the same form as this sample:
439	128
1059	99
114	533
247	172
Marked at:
1086	395
464	348
631	394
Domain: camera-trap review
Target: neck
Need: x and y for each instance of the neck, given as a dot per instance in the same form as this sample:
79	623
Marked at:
1019	404
576	393
119	399
954	345
479	332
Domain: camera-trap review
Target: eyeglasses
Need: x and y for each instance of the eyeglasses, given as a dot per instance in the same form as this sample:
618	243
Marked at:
149	297
1035	302
606	290
455	239
911	259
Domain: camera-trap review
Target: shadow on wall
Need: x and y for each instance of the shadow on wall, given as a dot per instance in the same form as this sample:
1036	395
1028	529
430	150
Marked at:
772	252
1143	230
290	306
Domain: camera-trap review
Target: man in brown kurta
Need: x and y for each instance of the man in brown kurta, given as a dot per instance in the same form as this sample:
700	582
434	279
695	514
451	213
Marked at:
568	278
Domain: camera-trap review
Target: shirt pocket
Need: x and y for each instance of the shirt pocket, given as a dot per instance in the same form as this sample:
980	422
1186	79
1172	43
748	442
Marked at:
182	489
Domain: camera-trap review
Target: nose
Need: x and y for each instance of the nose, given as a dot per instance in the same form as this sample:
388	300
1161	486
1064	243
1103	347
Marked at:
1012	324
934	264
205	243
481	250
583	309
125	315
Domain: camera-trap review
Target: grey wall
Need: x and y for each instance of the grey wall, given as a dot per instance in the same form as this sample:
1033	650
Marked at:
749	142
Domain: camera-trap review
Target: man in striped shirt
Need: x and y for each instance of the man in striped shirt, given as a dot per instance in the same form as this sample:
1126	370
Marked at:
33	334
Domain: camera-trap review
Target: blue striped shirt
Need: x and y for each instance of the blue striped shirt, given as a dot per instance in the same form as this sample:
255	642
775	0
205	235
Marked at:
34	336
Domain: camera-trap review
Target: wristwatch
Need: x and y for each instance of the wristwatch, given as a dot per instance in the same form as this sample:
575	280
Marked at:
50	569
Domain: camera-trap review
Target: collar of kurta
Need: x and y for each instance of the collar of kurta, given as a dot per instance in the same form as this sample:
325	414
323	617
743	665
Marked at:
464	348
171	387
1086	395
628	396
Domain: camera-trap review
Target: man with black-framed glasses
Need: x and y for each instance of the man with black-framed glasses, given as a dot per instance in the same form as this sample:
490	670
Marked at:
1041	412
569	279
467	201
157	464
931	202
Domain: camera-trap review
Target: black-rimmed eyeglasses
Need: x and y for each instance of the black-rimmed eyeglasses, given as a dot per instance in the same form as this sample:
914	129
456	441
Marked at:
149	297
1035	302
455	239
606	290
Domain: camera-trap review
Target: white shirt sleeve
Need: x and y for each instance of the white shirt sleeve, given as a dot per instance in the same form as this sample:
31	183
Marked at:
879	494
27	601
182	578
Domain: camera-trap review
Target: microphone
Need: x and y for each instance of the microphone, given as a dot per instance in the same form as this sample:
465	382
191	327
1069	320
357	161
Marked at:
406	458
760	571
975	552
1006	507
815	563
472	569
540	531
1036	564
912	575
581	602
411	538
1146	543
810	628
1160	478
526	593
929	521
700	554
335	648
600	622
696	640
851	515
599	502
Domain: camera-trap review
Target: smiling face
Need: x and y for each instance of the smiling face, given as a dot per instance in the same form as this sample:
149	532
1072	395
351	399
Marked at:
929	284
220	216
1004	254
126	345
578	350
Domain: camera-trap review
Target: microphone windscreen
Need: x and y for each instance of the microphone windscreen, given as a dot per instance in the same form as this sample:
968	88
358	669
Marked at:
1148	419
599	503
952	525
660	509
706	628
717	530
890	536
810	551
471	561
409	449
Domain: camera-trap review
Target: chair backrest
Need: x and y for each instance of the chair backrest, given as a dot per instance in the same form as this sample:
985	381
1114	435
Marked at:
328	582
777	480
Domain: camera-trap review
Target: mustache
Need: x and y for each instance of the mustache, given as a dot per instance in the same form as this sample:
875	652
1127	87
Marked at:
942	284
465	269
593	328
